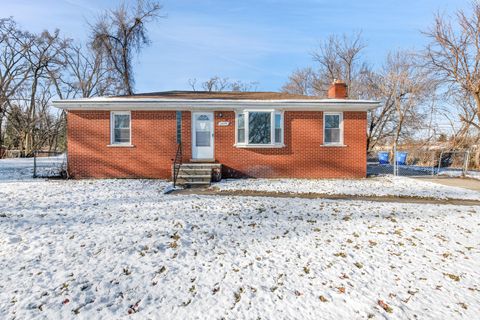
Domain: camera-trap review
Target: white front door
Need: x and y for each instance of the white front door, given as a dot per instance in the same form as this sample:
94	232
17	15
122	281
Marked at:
202	135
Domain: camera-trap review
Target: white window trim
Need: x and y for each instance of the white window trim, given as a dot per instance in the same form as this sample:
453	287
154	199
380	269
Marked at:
282	126
112	129
272	144
333	144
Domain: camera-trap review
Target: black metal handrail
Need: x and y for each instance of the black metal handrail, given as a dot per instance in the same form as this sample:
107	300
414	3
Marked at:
176	164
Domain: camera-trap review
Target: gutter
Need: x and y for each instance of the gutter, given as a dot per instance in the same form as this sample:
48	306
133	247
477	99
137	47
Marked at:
214	104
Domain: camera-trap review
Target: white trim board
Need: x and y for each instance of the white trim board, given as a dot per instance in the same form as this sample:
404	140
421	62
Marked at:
203	152
218	105
112	129
340	126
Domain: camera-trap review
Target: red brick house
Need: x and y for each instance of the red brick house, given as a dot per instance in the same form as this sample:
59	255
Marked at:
247	134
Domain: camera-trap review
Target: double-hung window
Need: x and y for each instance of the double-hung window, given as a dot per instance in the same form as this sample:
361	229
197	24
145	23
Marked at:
120	126
259	128
333	128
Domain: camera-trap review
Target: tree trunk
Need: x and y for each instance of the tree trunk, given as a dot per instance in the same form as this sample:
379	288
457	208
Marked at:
2	115
476	96
126	71
1	132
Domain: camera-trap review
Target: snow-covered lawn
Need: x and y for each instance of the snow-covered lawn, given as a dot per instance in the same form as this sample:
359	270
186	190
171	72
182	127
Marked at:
378	186
22	168
107	248
458	173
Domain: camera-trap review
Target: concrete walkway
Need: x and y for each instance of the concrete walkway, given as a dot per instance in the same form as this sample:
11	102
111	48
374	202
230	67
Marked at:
467	183
398	199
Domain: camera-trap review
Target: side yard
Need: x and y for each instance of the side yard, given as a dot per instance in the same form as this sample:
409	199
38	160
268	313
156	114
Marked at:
109	248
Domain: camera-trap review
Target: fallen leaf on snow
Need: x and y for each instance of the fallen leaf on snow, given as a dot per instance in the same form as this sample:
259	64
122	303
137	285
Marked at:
385	306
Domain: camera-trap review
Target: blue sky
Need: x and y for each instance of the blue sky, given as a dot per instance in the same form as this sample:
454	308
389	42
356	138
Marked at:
251	40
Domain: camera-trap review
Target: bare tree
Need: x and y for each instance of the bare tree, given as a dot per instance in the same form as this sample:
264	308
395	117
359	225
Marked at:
219	84
301	81
380	120
339	58
453	55
45	57
404	90
466	109
86	74
215	84
121	33
400	86
34	68
241	86
14	44
465	135
192	83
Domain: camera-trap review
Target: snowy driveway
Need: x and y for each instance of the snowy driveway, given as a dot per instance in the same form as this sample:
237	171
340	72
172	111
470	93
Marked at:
107	248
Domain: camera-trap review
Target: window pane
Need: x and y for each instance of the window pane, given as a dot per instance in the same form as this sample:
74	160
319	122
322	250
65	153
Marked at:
241	121
203	117
332	135
122	121
203	131
278	135
278	128
332	121
179	126
203	139
241	128
122	135
121	128
241	136
259	128
278	120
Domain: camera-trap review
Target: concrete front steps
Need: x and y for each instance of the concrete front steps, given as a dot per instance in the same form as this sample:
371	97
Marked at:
198	174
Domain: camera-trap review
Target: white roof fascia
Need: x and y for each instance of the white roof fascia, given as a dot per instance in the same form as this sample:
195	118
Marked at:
213	104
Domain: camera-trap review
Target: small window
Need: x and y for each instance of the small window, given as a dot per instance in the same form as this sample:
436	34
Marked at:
333	127
258	128
179	126
120	127
278	127
241	128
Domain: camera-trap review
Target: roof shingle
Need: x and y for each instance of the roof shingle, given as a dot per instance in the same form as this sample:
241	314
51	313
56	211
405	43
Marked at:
225	95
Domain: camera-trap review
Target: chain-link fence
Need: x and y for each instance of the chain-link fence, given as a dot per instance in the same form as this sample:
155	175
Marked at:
454	163
418	162
49	164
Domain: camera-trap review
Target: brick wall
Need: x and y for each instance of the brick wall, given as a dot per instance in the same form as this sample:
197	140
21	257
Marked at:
154	140
303	156
153	137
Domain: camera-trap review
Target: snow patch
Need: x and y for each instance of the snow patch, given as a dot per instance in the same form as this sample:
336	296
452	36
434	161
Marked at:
114	248
378	186
459	173
22	168
110	248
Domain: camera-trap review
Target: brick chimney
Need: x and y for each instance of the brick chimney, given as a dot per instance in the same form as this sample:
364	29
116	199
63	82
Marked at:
338	90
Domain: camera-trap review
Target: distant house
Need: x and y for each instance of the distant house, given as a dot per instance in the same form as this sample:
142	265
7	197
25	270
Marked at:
247	134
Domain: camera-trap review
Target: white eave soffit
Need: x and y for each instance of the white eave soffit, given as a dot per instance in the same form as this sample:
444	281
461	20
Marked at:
299	105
